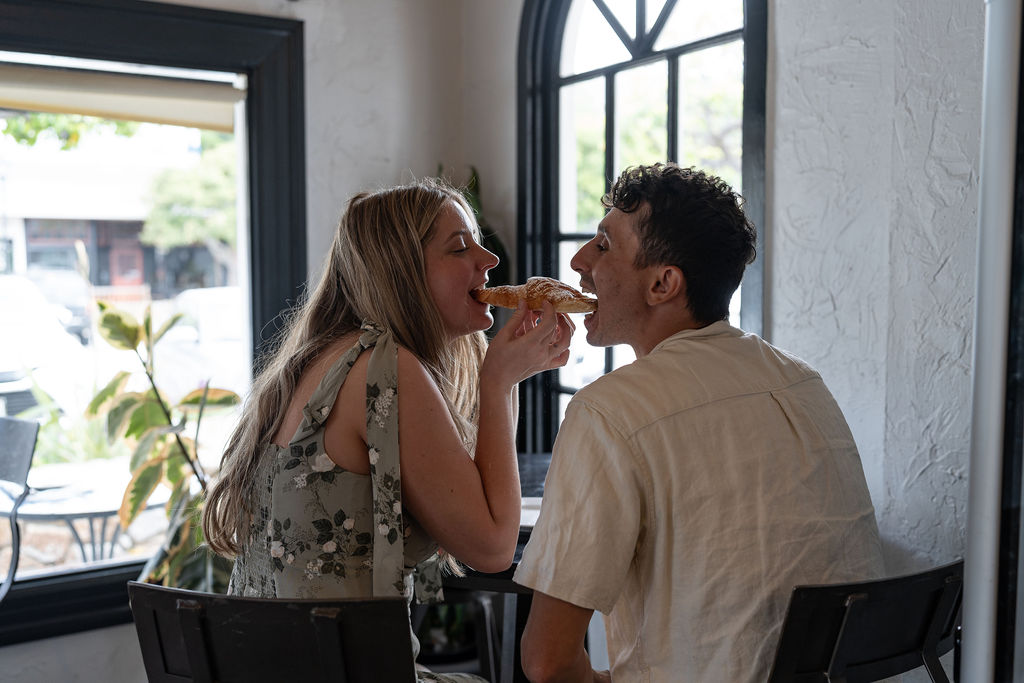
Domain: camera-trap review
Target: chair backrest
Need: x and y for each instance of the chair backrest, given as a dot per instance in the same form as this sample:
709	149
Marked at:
17	444
204	637
871	630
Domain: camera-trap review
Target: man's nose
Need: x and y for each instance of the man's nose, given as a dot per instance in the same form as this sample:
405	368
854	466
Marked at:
577	262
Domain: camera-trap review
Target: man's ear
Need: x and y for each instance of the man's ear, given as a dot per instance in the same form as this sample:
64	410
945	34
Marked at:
666	283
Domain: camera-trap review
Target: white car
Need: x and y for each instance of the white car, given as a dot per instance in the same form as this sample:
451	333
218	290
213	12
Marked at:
34	347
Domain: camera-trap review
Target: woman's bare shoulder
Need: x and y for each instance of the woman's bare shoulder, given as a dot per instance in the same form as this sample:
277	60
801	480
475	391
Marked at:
413	376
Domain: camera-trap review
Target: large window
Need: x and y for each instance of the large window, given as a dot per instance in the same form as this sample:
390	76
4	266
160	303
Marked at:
268	52
606	84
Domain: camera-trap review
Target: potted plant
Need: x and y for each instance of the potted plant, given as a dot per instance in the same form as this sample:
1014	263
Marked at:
162	453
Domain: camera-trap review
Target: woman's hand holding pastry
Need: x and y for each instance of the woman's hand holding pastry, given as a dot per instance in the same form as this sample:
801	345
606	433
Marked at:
528	343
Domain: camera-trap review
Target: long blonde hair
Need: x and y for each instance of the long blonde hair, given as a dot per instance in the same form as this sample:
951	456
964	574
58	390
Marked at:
375	271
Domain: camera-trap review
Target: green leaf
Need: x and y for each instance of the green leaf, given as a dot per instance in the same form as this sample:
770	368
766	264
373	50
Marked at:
178	553
146	415
175	471
114	387
120	329
168	324
173	452
145	448
144	481
219	398
178	499
122	407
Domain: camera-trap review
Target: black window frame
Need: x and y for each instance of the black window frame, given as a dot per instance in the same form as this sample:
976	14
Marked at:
269	51
541	31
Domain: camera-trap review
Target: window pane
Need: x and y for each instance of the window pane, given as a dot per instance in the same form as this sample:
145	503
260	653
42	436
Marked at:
695	19
581	155
138	215
586	363
654	8
622	355
589	42
563	403
625	12
734	307
641	113
711	111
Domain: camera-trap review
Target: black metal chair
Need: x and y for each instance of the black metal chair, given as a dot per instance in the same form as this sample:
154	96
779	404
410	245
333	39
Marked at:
205	637
17	444
868	631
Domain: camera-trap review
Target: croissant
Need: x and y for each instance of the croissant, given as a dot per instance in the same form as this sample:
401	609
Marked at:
536	290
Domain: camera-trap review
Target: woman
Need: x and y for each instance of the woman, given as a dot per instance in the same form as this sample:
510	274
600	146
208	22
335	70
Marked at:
315	497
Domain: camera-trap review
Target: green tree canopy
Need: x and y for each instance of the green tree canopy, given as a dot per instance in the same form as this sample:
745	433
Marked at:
27	128
195	205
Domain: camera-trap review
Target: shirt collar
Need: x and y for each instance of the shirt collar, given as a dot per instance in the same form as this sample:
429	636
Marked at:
722	328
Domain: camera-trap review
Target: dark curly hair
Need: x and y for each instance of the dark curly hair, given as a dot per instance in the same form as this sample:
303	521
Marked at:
691	220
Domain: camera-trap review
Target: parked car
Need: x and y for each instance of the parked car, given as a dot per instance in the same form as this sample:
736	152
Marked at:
70	294
35	348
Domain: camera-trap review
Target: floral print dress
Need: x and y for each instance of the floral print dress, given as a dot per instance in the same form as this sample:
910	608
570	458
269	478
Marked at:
320	531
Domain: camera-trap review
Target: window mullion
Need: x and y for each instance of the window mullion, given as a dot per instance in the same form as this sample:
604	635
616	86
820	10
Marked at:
672	113
610	17
609	130
609	166
641	25
659	24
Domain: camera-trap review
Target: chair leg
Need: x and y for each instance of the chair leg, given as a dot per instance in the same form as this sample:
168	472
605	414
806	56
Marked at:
487	642
956	653
934	668
5	587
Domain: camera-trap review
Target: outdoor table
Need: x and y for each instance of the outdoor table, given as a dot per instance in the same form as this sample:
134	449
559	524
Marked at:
92	493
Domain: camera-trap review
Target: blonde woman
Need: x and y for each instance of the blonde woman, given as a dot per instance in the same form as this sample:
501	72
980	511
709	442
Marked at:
382	429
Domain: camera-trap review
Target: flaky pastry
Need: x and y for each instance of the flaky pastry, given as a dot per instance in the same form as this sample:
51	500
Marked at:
536	290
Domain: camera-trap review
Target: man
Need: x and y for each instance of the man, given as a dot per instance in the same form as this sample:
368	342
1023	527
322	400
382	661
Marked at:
692	489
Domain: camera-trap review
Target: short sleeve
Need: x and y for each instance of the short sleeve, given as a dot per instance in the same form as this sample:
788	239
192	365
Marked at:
592	514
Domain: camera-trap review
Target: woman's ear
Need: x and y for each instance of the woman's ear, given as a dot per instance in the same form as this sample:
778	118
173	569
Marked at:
667	283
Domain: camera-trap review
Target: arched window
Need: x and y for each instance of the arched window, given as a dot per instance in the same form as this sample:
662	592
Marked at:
606	84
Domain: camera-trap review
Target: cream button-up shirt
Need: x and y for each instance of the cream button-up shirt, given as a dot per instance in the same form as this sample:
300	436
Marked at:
688	493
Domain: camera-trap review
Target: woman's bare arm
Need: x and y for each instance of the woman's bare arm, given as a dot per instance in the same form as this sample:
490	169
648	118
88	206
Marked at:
471	506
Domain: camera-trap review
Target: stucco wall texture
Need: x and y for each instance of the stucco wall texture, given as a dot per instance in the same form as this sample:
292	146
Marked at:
874	152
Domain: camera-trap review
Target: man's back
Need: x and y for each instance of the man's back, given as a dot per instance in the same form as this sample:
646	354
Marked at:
688	493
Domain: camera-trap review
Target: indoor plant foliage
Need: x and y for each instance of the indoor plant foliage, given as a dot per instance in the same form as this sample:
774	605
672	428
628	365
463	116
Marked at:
162	453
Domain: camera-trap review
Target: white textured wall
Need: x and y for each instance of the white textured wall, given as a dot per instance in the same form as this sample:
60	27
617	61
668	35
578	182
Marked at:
489	46
874	158
830	153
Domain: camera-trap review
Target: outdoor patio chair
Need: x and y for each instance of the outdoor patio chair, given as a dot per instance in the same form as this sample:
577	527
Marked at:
17	444
871	630
204	637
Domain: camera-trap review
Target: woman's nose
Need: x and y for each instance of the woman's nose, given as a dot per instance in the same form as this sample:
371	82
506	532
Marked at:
488	259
